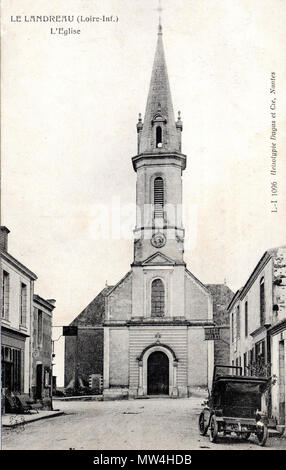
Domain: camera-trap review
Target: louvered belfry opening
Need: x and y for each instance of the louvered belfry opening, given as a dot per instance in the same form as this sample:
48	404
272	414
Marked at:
157	298
158	198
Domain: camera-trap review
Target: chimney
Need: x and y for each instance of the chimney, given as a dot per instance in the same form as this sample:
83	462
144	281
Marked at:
4	238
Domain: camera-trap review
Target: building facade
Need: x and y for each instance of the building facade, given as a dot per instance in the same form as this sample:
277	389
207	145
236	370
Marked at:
26	330
222	296
149	327
257	315
41	372
84	352
16	320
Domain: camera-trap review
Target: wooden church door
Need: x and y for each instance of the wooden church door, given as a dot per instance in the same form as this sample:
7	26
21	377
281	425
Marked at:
158	374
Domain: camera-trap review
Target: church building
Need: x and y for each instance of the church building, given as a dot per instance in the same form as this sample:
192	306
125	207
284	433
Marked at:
145	335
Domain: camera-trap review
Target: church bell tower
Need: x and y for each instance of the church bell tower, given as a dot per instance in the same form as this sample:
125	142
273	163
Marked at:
150	326
155	315
159	164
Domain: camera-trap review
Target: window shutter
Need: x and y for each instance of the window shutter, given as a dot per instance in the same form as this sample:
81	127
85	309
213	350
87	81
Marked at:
158	197
23	304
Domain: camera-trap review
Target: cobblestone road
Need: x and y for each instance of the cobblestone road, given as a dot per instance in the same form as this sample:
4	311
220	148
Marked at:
154	423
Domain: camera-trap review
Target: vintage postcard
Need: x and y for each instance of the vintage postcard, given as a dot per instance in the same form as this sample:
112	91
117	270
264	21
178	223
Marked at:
143	235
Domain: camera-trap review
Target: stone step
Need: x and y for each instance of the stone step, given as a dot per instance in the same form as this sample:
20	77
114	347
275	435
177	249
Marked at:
115	394
79	398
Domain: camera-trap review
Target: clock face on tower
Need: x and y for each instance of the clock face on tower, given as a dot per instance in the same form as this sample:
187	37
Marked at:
158	240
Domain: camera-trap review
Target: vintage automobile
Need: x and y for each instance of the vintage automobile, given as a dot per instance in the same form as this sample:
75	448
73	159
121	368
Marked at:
234	405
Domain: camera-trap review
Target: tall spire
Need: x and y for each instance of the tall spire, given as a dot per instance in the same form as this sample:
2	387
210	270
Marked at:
159	109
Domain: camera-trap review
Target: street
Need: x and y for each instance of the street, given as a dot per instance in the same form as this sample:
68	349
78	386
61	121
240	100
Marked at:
155	423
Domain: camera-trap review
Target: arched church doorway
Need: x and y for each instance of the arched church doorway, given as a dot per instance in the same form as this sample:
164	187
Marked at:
158	374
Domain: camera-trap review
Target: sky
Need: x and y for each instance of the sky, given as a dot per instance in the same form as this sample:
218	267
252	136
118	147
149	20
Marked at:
70	105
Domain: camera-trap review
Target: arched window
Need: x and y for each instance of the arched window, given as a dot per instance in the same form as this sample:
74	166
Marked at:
262	301
158	197
157	298
158	136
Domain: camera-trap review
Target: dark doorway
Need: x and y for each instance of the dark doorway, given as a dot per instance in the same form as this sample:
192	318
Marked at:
158	374
39	381
7	375
11	368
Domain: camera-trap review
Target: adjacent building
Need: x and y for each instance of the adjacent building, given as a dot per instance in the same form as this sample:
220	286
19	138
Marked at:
145	335
257	315
222	296
26	330
16	320
41	372
84	352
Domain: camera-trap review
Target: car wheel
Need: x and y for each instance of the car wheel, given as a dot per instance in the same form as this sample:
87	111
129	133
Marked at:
213	429
262	434
202	425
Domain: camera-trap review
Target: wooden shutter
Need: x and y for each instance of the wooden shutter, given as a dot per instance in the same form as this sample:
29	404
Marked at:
158	197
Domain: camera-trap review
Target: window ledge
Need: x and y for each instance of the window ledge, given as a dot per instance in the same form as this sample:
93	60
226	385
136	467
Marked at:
23	327
5	320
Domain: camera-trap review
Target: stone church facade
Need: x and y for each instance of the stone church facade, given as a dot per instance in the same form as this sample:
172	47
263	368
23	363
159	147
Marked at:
149	327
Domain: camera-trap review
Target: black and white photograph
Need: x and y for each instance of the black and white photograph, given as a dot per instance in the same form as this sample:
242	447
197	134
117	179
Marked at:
143	228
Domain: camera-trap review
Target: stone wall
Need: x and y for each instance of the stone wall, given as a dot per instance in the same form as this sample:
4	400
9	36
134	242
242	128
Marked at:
118	357
221	347
119	300
221	295
196	299
90	341
279	284
90	355
197	358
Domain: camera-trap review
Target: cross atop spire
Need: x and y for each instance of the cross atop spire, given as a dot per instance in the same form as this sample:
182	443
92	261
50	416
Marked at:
159	10
159	131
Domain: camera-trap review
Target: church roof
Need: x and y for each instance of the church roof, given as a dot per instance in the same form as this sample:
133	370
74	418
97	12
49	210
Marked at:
221	295
159	104
194	278
112	288
219	289
94	313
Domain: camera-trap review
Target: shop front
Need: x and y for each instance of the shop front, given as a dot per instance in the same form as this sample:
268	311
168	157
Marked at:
12	360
